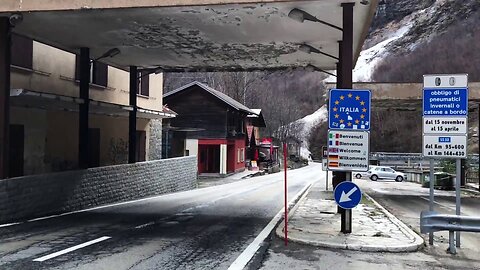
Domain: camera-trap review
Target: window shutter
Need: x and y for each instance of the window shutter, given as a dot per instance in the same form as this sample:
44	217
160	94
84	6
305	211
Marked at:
100	74
77	67
22	51
145	85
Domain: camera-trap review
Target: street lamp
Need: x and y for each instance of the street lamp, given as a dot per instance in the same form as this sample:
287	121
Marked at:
312	68
110	53
310	49
300	16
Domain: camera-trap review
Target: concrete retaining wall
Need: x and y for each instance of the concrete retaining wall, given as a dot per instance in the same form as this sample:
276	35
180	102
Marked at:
39	195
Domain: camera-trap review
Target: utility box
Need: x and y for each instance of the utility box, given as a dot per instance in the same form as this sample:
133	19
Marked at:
443	180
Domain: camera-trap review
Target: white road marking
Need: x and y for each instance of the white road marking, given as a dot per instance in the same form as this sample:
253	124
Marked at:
56	254
9	224
452	207
144	225
250	251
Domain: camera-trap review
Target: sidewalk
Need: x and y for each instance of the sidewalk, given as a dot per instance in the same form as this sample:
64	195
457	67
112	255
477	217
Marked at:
314	221
215	181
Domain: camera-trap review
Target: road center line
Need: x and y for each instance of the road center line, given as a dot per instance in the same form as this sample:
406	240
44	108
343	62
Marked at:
61	252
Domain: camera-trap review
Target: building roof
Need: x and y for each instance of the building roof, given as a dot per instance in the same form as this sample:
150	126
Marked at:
194	35
221	96
257	118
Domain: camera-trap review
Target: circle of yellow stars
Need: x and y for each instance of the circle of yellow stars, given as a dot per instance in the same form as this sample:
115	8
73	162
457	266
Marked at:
357	98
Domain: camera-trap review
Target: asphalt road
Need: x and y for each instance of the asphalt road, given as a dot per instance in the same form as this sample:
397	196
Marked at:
206	228
407	200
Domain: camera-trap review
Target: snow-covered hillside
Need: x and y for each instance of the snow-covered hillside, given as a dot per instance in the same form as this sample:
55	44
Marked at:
308	123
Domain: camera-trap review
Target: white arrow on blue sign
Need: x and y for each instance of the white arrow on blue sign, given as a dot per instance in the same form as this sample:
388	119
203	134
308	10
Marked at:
347	195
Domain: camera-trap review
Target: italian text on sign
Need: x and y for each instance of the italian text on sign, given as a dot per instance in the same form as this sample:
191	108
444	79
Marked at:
445	146
348	150
445	125
445	102
445	116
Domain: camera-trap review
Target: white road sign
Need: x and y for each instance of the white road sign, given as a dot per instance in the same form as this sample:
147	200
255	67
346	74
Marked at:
348	150
324	164
445	146
445	81
445	125
445	116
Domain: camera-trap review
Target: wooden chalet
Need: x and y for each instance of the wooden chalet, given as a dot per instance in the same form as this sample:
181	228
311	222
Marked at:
211	125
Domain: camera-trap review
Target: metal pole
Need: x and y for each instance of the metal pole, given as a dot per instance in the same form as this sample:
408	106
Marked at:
326	184
83	148
432	195
347	213
346	70
132	117
5	59
451	242
286	190
457	196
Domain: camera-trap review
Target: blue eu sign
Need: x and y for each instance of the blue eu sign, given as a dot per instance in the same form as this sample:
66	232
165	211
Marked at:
349	109
347	195
445	102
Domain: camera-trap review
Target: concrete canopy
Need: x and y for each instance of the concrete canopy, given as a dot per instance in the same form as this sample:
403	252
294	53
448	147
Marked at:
194	35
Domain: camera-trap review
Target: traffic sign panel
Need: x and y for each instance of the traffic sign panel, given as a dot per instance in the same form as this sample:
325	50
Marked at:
349	109
347	195
348	150
445	146
445	102
445	125
445	81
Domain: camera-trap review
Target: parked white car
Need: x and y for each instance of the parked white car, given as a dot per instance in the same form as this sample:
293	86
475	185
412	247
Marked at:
359	175
384	172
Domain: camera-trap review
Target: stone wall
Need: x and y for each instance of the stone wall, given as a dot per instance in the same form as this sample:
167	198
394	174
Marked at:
27	197
155	141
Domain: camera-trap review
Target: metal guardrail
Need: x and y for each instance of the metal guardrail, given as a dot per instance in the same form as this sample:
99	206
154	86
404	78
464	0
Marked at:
412	156
433	222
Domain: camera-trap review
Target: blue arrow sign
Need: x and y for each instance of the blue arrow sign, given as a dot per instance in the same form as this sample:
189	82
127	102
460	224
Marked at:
347	195
445	102
349	109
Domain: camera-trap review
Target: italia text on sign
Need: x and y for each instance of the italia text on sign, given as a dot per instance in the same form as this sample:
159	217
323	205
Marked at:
349	109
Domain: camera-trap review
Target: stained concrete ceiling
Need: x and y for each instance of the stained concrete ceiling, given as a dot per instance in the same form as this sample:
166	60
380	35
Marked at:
228	36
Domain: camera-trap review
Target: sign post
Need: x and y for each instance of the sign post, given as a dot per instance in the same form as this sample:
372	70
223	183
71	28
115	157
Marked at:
285	149
348	138
445	129
325	164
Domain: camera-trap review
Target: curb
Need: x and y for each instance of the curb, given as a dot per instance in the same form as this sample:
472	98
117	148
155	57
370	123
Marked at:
411	247
251	251
470	190
419	241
